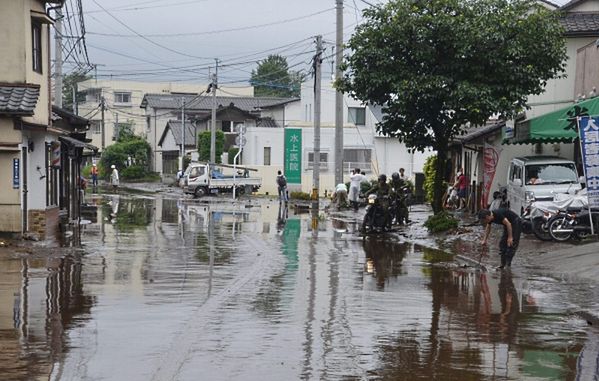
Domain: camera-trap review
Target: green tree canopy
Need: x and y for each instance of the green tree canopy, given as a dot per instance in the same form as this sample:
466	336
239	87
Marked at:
128	146
69	82
437	66
273	78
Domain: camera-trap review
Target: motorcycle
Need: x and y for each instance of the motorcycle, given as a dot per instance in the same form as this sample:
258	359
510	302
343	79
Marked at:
573	223
537	215
377	218
399	206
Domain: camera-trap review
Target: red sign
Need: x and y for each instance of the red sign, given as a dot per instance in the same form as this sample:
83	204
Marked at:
491	159
55	160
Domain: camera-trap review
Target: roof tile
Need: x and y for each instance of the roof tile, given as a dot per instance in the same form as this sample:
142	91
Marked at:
18	99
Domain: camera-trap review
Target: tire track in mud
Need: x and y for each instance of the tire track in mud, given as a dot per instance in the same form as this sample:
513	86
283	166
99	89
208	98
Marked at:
172	361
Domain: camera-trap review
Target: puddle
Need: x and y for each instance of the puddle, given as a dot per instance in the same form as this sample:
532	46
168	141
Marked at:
177	289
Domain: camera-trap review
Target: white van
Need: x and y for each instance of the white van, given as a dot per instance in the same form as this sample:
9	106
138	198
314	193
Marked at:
539	178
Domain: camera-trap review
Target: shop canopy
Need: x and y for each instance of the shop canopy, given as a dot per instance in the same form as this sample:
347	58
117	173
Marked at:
555	127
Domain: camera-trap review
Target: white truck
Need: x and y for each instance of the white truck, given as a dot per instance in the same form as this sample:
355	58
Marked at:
201	179
539	178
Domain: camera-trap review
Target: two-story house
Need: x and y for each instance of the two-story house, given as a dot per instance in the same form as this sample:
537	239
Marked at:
38	171
231	113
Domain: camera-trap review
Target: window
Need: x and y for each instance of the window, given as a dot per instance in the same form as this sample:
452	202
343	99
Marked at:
226	126
122	97
51	175
266	156
148	124
356	115
96	127
515	172
36	46
357	157
93	95
324	160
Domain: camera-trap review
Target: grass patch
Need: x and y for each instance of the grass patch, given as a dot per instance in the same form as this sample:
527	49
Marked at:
441	222
300	196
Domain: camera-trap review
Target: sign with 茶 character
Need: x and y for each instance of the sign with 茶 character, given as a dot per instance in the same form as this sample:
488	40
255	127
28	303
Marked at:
589	143
293	155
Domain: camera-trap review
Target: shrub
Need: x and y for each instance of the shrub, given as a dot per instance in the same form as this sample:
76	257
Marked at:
441	222
133	172
429	177
300	196
232	152
86	171
204	145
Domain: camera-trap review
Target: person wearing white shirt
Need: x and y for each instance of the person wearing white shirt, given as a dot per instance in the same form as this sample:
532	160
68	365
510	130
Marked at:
356	179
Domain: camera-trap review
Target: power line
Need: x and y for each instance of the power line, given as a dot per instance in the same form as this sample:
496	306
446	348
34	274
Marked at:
167	35
144	37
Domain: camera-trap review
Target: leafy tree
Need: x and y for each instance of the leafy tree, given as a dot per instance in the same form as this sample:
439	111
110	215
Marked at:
273	78
204	145
69	82
437	66
133	147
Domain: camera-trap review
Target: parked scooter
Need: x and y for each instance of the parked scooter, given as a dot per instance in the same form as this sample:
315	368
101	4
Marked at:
377	219
537	215
573	224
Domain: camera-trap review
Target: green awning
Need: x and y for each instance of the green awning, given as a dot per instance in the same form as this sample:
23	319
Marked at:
555	127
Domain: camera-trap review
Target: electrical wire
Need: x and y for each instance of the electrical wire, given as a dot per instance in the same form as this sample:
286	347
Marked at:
168	35
144	37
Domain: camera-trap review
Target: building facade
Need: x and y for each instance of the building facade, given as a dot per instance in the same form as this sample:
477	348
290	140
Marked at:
118	103
34	183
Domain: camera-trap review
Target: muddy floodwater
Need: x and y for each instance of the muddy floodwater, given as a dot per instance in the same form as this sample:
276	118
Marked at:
175	289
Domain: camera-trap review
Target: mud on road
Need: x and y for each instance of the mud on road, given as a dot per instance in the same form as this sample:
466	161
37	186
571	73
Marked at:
170	288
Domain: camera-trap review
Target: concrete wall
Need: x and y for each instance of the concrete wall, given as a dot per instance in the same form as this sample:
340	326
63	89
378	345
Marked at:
586	6
587	75
10	199
13	34
559	93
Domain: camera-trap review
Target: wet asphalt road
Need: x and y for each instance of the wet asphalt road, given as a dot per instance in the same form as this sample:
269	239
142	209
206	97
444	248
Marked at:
175	289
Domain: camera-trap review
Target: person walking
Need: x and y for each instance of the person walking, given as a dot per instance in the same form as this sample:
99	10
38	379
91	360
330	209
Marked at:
512	228
282	187
114	178
94	173
461	185
356	179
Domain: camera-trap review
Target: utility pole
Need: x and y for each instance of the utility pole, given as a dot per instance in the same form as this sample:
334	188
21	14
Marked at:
317	90
339	97
75	105
182	133
58	59
103	107
115	133
214	86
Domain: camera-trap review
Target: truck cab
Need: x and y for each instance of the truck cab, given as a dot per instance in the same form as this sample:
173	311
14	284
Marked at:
539	178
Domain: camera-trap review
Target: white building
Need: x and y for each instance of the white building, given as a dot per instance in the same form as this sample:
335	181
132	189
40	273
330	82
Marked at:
363	146
122	100
232	112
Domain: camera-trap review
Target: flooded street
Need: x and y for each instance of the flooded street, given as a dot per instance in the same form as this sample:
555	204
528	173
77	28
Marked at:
176	289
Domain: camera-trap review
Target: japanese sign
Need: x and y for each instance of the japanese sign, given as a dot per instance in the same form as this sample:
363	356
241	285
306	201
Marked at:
490	159
293	155
16	174
589	142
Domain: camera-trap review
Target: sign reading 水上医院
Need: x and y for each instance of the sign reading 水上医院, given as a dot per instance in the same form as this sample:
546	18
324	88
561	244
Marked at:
588	129
293	155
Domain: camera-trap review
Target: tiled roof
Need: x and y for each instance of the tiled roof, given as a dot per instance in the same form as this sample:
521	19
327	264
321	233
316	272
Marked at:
474	133
190	132
195	103
267	122
59	113
581	23
18	99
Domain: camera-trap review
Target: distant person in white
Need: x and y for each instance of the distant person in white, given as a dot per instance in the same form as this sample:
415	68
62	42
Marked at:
356	179
114	178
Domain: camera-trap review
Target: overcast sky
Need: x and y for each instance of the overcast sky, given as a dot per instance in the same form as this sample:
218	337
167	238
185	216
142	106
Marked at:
178	40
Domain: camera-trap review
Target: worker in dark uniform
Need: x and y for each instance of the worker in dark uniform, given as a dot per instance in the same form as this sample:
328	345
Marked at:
512	227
